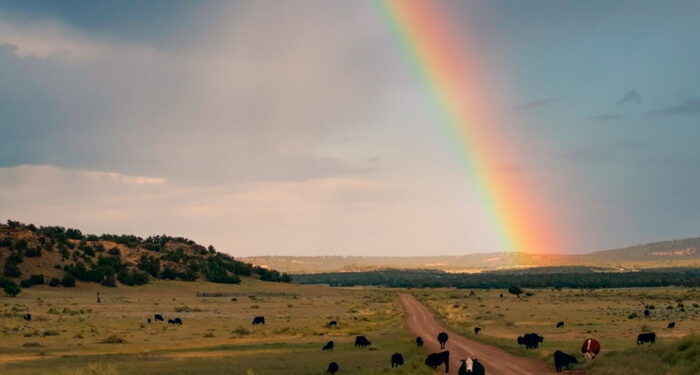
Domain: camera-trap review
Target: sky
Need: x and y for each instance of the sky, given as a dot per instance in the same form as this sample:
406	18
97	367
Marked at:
300	128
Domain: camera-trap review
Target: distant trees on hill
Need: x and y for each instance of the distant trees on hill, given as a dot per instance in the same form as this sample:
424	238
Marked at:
565	278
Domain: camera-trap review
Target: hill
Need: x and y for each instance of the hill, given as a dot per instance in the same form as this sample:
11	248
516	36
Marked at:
675	253
60	256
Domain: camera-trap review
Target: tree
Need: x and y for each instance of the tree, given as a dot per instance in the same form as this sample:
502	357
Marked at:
11	288
514	289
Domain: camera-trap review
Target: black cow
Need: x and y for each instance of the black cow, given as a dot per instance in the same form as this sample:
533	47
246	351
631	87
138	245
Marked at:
521	340
259	320
149	320
177	321
560	325
329	345
362	342
27	316
646	312
332	323
170	321
396	360
532	340
478	368
419	341
672	325
442	338
332	368
436	359
649	337
562	359
158	317
501	295
477	330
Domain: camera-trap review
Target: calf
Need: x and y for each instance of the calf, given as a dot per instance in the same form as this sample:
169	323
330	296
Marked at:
170	321
396	360
646	312
649	337
562	359
560	325
436	359
27	316
521	340
158	317
259	320
442	338
672	325
177	321
590	349
332	368
362	342
332	323
477	330
419	341
149	320
329	345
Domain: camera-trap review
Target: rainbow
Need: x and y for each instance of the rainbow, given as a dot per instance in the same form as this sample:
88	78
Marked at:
451	77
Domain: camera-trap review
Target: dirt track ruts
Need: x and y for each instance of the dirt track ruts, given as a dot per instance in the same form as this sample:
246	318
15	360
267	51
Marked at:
421	322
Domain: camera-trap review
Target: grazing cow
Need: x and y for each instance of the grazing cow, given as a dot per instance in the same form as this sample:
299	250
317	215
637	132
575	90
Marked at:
170	321
442	338
329	345
259	320
419	341
471	366
521	340
436	359
590	349
149	320
177	321
649	337
396	360
501	295
670	325
532	340
158	317
560	325
332	368
27	316
332	323
362	342
646	312
562	359
477	330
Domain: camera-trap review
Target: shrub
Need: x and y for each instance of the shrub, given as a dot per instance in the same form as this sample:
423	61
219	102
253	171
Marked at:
68	280
54	281
11	289
33	252
36	279
11	269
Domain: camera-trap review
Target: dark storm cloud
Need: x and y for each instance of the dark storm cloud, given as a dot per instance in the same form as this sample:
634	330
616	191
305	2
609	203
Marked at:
690	107
631	97
534	104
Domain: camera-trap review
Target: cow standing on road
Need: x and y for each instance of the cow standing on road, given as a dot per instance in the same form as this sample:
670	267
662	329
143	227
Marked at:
442	339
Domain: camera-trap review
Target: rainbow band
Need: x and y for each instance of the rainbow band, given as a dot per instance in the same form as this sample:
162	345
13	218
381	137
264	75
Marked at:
452	85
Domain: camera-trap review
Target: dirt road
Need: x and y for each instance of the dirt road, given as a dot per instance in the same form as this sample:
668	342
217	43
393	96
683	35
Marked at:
421	322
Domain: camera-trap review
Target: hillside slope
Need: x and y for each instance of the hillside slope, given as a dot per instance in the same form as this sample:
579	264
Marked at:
675	253
56	255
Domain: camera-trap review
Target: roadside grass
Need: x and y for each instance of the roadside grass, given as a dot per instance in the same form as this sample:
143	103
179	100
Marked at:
217	337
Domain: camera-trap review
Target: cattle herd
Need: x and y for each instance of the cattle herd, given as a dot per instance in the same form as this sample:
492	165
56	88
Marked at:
589	349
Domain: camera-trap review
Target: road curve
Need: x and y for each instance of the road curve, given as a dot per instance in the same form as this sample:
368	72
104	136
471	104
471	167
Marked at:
421	322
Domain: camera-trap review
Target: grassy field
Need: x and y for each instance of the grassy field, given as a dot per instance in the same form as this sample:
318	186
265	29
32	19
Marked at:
605	314
71	333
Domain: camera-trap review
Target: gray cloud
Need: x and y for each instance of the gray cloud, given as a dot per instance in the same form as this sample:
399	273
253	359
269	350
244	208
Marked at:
605	117
690	107
631	97
534	104
603	151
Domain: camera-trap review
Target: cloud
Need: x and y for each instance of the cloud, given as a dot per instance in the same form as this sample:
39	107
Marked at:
604	117
690	107
603	151
534	104
631	97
